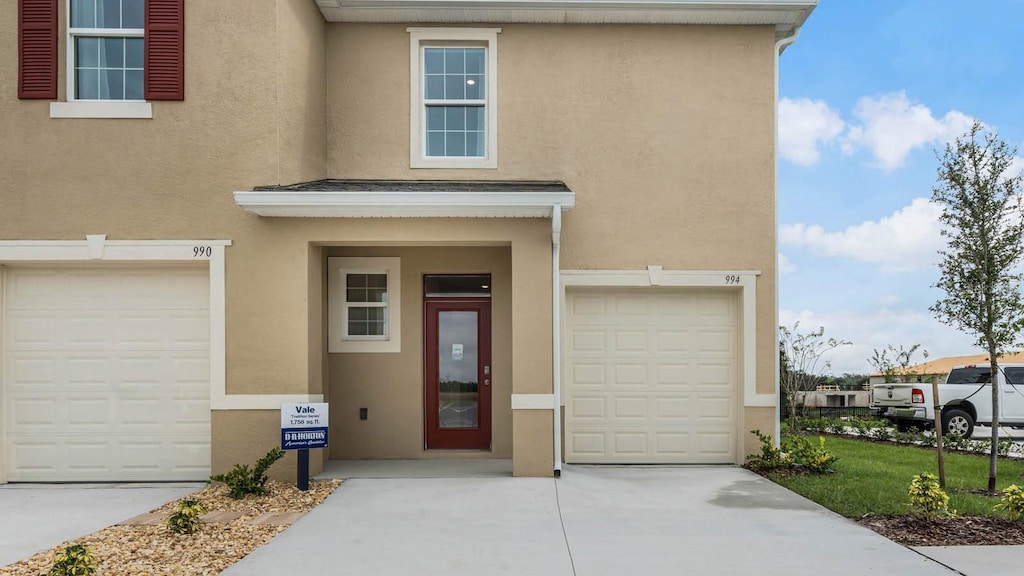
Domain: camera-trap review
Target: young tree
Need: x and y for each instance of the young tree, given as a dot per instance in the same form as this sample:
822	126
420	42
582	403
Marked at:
982	222
802	365
899	366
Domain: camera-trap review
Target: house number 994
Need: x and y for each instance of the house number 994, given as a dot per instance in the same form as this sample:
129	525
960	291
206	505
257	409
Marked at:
202	251
732	279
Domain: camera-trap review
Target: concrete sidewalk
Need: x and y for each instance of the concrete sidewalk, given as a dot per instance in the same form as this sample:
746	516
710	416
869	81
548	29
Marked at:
593	521
37	517
978	560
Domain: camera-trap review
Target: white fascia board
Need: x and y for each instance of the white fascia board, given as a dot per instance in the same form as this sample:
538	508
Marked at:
787	14
325	204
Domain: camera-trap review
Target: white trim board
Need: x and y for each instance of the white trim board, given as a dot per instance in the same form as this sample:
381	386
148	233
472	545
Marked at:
354	204
533	401
743	280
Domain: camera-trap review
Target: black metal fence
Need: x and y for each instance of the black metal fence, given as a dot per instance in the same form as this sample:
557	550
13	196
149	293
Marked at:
836	412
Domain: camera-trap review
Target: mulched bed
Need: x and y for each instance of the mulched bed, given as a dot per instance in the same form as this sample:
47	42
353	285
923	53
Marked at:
959	531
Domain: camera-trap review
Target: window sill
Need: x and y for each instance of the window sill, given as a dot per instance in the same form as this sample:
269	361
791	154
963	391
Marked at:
96	109
466	163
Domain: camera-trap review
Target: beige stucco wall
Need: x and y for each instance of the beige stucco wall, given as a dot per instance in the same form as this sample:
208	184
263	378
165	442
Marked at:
390	385
665	134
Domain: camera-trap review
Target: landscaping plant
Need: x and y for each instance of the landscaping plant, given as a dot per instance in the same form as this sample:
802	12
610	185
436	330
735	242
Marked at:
1013	502
927	498
815	459
186	519
76	560
242	481
771	456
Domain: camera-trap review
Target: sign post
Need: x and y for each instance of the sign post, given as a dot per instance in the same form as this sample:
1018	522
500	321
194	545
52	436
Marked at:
303	426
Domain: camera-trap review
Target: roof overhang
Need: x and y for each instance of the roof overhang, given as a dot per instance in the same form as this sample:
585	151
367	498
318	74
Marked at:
785	15
435	203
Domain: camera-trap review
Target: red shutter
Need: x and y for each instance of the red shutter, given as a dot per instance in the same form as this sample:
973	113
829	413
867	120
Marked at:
165	50
37	49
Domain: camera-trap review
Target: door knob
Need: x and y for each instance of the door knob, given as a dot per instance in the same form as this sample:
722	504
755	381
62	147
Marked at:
487	381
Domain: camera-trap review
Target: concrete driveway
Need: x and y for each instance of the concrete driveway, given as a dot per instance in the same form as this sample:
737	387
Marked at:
593	521
37	517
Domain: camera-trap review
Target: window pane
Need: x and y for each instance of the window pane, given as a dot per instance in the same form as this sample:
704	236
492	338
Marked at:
108	14
111	84
475	87
375	314
358	314
112	52
375	328
435	117
356	295
435	143
87	51
454	60
132	13
377	280
455	87
475	144
355	280
435	87
455	144
133	86
475	60
83	13
475	118
376	295
133	51
356	328
87	84
433	60
455	118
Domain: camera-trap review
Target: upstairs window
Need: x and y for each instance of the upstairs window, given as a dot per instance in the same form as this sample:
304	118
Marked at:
106	50
453	100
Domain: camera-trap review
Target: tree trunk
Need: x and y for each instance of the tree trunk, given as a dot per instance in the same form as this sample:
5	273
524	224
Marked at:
994	450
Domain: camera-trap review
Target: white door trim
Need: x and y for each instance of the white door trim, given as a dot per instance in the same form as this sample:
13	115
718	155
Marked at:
743	280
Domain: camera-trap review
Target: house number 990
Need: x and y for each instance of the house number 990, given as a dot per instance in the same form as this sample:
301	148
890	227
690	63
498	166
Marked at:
732	279
202	251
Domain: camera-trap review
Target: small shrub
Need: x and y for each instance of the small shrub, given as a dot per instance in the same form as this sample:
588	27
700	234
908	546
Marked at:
860	426
927	498
242	481
926	439
770	458
76	560
1005	446
815	459
1013	502
186	520
837	427
881	434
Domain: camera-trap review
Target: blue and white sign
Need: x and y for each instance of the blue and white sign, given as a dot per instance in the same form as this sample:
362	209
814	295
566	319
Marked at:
303	426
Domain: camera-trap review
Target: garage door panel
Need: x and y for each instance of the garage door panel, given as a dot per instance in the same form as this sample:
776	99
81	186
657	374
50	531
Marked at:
665	391
107	374
581	341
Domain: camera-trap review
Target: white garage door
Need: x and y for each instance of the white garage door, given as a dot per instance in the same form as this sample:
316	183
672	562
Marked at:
106	374
651	377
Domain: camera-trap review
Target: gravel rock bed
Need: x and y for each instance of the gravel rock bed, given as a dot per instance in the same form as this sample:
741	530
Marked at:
151	550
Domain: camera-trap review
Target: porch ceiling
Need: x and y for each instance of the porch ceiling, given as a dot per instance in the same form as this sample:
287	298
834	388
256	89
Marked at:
409	199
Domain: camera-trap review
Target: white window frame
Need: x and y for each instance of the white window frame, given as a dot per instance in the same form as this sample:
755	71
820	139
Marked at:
75	108
339	341
419	38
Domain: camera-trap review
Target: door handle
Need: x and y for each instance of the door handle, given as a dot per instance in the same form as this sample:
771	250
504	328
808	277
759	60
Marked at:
487	381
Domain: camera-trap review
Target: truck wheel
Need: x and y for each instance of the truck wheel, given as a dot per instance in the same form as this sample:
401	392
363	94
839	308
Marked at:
956	421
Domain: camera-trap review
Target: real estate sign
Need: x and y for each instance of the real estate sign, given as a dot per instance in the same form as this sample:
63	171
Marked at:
303	426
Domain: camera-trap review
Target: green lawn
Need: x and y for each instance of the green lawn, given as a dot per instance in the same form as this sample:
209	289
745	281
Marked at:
873	478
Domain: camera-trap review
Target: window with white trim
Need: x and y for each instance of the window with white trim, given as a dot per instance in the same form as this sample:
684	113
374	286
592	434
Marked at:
364	304
105	50
453	104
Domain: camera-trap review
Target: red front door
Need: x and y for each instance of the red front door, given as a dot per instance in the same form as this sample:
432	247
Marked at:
458	374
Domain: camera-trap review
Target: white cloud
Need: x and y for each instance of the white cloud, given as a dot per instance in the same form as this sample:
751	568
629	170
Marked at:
907	239
804	125
878	329
889	300
785	264
1016	167
892	126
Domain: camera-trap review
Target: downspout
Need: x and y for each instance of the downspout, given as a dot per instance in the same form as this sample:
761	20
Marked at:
556	336
780	45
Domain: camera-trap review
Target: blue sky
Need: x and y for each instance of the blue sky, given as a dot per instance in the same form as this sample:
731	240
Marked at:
869	92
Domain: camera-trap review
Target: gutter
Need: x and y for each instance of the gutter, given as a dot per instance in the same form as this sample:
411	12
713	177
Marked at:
780	45
556	336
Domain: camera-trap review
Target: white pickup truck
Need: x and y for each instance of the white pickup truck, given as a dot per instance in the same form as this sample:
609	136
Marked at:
965	397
